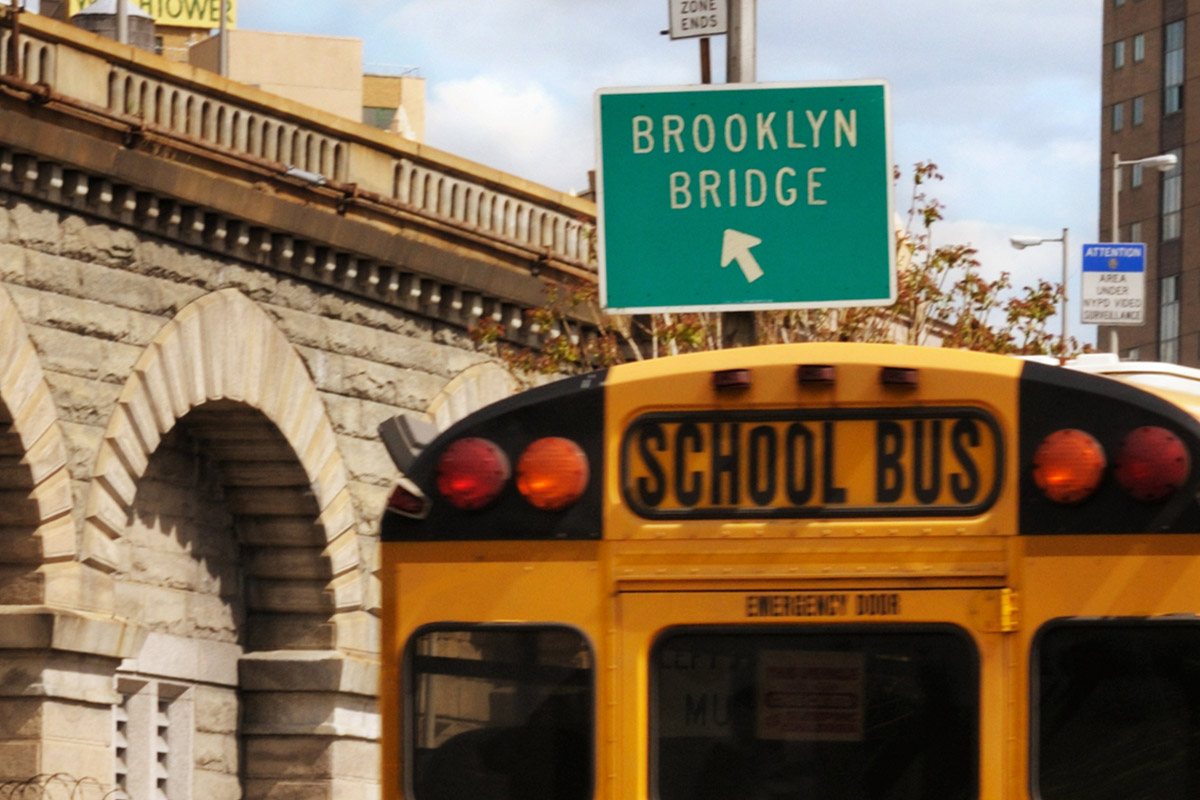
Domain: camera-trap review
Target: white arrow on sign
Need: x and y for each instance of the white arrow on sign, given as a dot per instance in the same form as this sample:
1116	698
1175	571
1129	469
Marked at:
736	246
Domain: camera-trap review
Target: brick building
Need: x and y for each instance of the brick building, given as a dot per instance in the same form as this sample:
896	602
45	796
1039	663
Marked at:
1149	58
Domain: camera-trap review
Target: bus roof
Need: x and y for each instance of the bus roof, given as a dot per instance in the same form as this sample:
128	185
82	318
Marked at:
1178	384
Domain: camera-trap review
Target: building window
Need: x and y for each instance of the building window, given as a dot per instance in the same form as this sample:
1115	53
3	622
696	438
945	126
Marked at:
1168	319
1135	231
1118	116
1133	354
1172	199
1137	113
1136	175
1173	68
1118	54
1139	48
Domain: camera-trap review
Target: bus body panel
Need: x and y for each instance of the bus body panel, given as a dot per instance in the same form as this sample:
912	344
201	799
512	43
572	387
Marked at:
762	498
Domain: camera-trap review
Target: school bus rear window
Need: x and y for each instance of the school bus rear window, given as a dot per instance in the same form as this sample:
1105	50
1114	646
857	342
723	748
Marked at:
1118	710
501	713
867	714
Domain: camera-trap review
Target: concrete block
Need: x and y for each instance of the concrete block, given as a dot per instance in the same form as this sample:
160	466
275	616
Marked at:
19	760
289	596
310	671
216	753
289	632
87	724
367	461
289	758
82	400
271	789
97	242
82	355
215	785
216	710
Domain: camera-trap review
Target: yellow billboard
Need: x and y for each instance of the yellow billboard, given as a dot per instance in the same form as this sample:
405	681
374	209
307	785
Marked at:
178	13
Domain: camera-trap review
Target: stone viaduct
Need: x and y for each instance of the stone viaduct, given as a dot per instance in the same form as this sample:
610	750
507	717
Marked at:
209	299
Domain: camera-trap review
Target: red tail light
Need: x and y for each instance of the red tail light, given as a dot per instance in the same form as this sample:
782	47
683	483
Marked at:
1068	465
472	473
407	502
1152	463
552	473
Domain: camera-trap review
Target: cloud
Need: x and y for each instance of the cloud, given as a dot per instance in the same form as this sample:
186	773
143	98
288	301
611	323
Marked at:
518	129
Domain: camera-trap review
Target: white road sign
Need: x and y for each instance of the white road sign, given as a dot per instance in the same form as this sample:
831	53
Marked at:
698	18
1114	285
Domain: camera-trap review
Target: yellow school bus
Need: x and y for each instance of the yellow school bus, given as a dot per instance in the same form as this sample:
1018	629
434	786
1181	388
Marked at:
826	571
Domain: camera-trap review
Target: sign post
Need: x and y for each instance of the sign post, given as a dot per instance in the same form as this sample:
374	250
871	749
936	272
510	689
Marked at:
741	197
1114	284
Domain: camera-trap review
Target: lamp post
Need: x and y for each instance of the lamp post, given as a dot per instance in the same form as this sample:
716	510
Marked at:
1021	242
1164	162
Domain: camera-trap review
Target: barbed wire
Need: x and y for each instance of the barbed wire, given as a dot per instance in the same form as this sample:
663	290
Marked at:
59	786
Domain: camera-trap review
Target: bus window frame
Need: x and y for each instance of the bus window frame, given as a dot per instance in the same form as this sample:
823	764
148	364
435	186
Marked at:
1035	673
817	628
408	674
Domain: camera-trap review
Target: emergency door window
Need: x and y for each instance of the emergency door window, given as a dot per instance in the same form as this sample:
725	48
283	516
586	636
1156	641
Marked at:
1118	710
500	713
835	714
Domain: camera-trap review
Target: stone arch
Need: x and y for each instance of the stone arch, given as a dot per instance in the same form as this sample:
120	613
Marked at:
217	350
59	635
469	391
37	534
278	661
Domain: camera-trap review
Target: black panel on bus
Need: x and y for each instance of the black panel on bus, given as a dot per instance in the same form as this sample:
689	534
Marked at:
1053	398
572	408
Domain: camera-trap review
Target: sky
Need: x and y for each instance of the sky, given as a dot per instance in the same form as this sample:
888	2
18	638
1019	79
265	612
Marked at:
1003	95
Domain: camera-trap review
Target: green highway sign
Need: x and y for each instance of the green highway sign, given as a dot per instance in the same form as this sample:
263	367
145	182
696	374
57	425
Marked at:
745	196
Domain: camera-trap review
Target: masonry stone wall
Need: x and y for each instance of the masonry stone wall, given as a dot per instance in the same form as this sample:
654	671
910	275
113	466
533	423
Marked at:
195	481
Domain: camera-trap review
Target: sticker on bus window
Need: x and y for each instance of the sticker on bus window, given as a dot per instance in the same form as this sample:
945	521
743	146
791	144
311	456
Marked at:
694	692
811	697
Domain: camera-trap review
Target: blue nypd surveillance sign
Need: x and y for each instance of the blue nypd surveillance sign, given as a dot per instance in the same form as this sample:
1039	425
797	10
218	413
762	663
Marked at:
1114	283
741	197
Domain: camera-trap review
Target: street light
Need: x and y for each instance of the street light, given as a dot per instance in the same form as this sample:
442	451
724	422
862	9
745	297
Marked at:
1165	162
1021	242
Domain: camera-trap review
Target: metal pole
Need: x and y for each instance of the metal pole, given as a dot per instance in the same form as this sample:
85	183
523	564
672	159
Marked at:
705	60
1113	337
122	22
223	45
740	52
14	43
1064	291
1116	194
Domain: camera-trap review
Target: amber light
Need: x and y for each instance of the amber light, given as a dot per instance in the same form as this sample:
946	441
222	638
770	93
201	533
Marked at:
1151	463
1068	465
552	473
472	473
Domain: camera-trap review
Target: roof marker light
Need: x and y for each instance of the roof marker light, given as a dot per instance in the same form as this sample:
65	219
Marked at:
815	373
731	378
898	376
